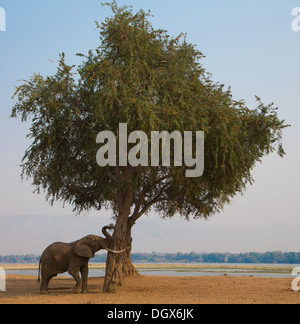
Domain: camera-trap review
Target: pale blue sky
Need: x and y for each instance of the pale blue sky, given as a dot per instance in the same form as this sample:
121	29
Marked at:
249	46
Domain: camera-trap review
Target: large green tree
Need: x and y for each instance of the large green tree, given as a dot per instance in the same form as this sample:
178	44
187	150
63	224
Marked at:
143	77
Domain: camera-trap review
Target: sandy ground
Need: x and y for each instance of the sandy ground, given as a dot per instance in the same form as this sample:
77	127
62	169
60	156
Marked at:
155	290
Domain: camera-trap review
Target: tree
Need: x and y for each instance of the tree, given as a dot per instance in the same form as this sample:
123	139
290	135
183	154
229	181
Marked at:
152	82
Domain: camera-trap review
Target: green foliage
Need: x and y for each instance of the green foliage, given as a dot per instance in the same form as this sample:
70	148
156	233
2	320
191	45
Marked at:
152	82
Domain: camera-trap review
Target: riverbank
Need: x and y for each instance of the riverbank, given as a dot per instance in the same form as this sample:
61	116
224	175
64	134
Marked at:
155	266
96	270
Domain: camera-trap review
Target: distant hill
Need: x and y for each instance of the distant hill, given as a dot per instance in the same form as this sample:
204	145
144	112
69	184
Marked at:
253	257
31	234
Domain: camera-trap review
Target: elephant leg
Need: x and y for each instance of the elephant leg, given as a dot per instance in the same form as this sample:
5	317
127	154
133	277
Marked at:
45	283
44	286
84	270
48	280
44	276
75	274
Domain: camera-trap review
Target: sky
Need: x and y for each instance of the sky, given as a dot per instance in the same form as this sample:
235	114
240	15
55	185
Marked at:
249	46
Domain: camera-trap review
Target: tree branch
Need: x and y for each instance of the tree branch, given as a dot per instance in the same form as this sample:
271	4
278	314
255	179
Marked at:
139	212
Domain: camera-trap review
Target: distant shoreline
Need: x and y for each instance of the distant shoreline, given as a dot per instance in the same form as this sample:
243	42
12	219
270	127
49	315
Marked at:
251	258
169	267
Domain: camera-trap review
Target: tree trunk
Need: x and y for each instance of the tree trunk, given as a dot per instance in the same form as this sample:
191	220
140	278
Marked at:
119	266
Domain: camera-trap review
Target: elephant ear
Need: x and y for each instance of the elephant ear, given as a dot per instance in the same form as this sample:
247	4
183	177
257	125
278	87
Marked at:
83	250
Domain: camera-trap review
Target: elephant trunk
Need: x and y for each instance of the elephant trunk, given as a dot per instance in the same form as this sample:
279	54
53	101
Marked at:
109	238
105	233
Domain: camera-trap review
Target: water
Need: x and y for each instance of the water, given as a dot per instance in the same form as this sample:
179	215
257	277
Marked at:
234	270
213	273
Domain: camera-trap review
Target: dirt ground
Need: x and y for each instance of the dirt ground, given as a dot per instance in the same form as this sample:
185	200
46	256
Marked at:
155	290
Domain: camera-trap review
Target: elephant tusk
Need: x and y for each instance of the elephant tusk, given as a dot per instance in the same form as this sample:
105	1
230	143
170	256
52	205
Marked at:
115	252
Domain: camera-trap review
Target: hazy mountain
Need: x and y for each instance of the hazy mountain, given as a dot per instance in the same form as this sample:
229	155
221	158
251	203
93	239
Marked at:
31	234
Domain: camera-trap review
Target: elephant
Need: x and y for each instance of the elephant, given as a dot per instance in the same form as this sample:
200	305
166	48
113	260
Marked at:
72	258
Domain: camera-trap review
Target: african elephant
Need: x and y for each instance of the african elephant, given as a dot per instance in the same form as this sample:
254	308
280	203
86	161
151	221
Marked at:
73	258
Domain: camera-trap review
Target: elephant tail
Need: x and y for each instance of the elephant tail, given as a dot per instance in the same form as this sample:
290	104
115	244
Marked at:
39	276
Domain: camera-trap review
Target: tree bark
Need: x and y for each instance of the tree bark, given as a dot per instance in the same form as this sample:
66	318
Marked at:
119	266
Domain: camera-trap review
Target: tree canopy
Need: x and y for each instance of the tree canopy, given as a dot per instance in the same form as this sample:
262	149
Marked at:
153	82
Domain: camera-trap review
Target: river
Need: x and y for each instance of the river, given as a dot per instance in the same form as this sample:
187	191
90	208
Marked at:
253	270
